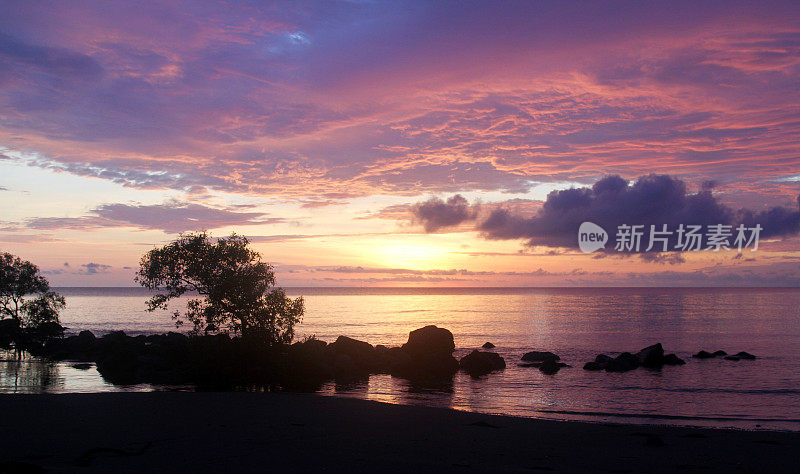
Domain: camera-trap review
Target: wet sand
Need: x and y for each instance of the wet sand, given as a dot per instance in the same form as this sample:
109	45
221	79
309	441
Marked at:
246	432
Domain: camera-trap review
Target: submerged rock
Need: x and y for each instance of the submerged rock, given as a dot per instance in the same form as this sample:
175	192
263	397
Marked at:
478	363
551	366
539	356
672	359
703	355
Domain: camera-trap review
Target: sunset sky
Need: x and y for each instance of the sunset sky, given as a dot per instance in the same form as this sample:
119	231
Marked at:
399	143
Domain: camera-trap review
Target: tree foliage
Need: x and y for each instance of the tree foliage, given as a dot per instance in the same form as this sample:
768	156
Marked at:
235	287
18	280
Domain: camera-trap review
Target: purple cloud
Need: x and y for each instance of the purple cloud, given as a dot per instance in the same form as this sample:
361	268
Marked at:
92	268
360	98
651	200
171	218
435	214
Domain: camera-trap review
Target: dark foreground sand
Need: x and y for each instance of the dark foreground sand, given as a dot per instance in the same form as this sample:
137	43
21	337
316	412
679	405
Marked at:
247	432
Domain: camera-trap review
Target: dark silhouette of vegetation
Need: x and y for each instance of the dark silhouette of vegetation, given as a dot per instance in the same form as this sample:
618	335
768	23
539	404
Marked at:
235	288
20	279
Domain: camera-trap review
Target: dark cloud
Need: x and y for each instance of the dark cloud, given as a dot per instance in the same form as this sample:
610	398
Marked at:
92	268
170	217
57	61
612	201
435	214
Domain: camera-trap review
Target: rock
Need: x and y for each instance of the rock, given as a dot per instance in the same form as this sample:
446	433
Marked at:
309	361
551	366
719	353
623	363
603	359
397	361
352	347
745	355
431	366
703	355
487	345
733	358
429	353
81	366
346	368
429	340
539	356
672	359
478	363
651	357
592	366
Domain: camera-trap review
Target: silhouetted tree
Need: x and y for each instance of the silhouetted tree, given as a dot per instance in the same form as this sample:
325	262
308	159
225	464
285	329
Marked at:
20	279
235	286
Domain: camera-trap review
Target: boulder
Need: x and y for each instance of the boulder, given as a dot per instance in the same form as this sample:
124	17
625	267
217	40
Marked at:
651	357
623	363
345	368
603	359
396	361
429	340
478	363
309	361
592	366
719	353
358	350
361	353
539	356
703	355
429	354
551	366
672	359
745	355
487	345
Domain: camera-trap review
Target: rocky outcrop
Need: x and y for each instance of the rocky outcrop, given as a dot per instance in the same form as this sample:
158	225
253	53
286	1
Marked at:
741	356
539	356
720	353
651	357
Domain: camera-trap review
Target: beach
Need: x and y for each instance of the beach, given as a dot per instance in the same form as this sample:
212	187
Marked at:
246	432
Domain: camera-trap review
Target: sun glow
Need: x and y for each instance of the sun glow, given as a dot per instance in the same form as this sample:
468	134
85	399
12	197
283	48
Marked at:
412	256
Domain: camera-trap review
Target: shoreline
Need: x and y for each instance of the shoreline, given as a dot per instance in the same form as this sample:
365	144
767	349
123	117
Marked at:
235	431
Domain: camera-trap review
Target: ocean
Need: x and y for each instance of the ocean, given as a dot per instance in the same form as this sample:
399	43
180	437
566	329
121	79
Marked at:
576	323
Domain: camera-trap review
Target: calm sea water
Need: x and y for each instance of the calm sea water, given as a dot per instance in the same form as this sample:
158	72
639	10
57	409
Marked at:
575	323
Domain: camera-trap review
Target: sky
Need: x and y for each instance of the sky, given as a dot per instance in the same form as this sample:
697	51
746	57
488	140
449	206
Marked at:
376	143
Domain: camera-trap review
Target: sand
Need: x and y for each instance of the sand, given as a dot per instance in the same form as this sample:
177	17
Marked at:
246	432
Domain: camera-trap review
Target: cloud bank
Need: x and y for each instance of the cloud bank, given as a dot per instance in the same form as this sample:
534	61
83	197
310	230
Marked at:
612	201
